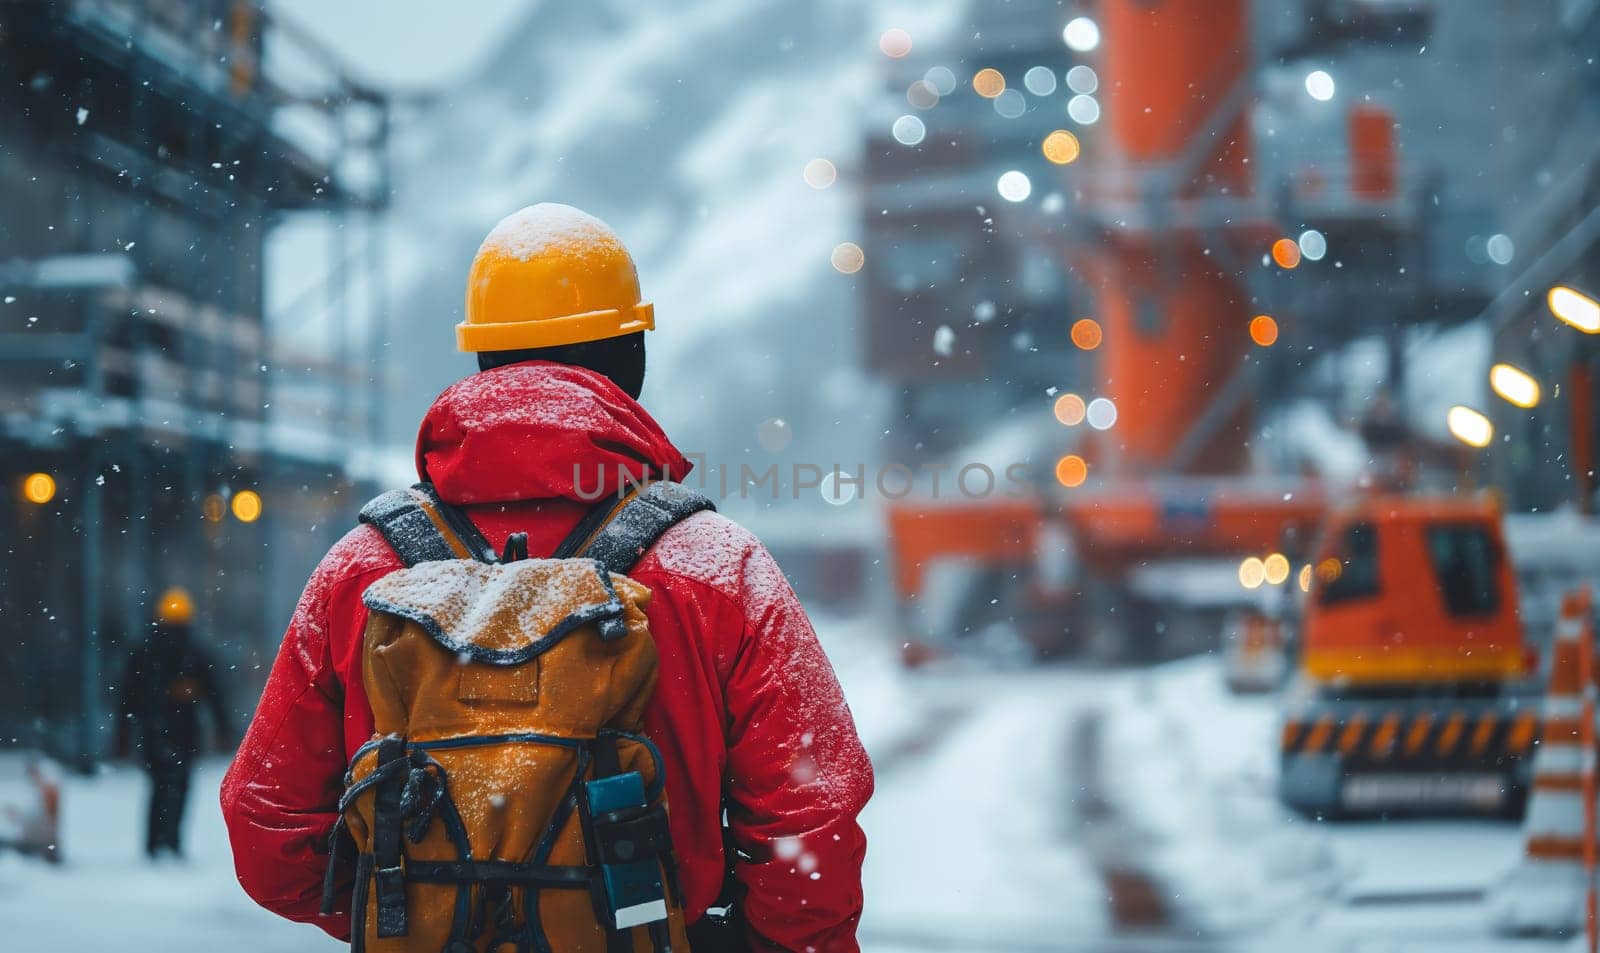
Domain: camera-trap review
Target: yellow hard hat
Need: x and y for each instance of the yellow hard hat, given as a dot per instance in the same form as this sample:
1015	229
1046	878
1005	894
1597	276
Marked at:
175	607
550	275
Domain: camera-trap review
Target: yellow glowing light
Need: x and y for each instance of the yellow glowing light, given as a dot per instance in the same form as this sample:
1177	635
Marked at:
1305	578
895	43
1071	470
1252	572
213	508
988	83
1086	334
848	258
819	173
1515	385
1469	426
1286	252
39	488
1070	409
1263	330
1061	147
1276	567
1330	569
247	506
1575	308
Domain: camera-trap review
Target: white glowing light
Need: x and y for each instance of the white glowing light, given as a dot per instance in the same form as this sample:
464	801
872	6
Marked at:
1575	308
1081	34
1010	104
909	130
1102	414
1313	245
1500	248
1014	186
1040	81
1319	84
941	79
1469	426
1084	109
944	341
1082	79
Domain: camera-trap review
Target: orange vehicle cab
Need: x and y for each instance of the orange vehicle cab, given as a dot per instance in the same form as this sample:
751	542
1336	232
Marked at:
1414	686
1413	591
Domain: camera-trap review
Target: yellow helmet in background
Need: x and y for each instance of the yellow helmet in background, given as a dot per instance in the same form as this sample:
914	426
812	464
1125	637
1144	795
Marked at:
176	607
550	275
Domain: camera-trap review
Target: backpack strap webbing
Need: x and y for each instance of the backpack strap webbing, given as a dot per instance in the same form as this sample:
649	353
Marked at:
421	528
625	531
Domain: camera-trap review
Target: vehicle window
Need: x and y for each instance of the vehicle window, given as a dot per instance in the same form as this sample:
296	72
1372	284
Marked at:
1466	564
1352	572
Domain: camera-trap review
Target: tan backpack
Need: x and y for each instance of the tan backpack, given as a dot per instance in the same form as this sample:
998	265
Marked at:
508	799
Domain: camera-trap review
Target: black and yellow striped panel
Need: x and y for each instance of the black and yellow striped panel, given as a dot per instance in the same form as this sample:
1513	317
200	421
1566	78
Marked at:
1380	735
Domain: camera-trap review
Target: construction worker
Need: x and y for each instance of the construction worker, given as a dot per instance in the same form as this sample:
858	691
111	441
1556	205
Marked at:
168	679
747	714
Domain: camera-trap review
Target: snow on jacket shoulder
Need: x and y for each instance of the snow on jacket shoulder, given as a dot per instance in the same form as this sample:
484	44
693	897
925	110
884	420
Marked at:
746	704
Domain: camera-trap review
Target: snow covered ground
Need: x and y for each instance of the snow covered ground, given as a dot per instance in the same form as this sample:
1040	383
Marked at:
1050	810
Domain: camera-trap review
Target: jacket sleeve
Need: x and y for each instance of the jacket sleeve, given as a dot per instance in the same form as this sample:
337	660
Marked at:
280	796
797	775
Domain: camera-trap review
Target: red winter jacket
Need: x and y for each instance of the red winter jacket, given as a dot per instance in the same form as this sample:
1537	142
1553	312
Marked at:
747	702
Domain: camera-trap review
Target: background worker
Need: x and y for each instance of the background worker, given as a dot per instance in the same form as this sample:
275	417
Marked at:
168	679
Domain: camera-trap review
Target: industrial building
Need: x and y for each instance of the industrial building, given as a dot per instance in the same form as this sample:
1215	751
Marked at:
152	433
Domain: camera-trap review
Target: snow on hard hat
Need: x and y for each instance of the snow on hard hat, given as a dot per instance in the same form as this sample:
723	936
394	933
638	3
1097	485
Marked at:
549	275
175	607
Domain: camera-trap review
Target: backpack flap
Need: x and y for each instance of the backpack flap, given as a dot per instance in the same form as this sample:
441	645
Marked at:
492	622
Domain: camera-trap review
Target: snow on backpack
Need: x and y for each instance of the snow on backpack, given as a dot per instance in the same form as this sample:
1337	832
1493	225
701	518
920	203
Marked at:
508	799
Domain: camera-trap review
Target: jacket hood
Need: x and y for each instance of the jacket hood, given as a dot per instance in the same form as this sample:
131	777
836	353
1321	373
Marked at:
539	430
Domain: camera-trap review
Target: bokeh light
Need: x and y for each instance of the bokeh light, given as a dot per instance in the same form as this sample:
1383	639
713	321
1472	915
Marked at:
38	488
1101	413
988	83
1061	147
1500	248
1263	330
1070	409
1575	308
819	173
1319	85
1305	578
1040	80
1086	334
1083	110
1081	34
847	258
1313	244
895	43
908	130
1010	104
1469	426
1517	386
922	95
942	79
1014	186
1071	470
247	506
1276	568
1286	253
1252	572
1082	79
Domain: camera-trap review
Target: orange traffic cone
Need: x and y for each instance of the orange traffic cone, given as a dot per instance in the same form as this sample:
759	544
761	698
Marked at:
1547	891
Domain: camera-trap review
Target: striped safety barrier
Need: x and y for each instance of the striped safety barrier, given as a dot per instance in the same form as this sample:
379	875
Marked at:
1550	888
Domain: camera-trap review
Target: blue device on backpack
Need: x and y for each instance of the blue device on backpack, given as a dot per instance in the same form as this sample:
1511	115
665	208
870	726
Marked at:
633	888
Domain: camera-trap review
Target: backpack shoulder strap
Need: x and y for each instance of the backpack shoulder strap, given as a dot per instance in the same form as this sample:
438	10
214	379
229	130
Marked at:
617	536
421	528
